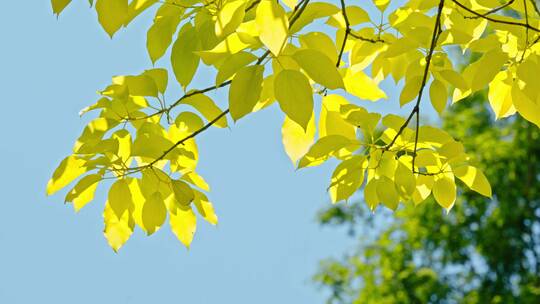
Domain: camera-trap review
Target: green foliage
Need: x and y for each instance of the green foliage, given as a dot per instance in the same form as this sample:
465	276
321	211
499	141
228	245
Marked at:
300	53
484	251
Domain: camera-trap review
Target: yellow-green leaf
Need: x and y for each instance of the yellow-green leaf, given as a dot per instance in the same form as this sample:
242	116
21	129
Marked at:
205	208
438	95
290	3
319	68
160	77
183	225
500	94
363	87
325	148
404	180
229	17
197	180
141	85
482	72
528	109
321	42
444	191
117	231
136	7
474	179
424	184
59	5
120	198
330	119
387	193
183	193
381	4
294	95
370	194
410	90
159	36
355	14
347	178
245	90
154	213
112	14
296	140
83	192
232	64
183	59
272	24
206	106
69	169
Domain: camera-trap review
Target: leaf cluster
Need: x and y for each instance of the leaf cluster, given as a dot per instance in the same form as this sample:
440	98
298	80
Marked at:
296	54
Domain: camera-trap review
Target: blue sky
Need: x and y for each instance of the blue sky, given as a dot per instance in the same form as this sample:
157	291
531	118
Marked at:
265	248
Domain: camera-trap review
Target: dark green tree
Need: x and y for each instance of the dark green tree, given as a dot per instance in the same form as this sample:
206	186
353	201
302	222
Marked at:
484	251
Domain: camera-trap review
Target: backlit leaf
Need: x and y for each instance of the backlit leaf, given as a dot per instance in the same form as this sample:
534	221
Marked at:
272	24
83	192
229	17
319	68
183	58
294	95
117	231
68	170
325	148
387	193
59	5
347	178
232	64
154	213
206	106
112	14
120	198
438	95
183	224
296	140
444	191
474	179
245	91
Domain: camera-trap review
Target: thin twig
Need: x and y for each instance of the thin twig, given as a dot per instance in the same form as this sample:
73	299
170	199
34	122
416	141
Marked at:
416	110
294	17
494	19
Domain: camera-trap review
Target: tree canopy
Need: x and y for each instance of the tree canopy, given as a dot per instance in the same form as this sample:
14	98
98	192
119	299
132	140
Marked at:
484	251
296	53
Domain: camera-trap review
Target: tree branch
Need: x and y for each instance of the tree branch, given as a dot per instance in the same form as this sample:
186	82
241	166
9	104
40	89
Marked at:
298	10
416	110
535	6
495	9
494	19
347	32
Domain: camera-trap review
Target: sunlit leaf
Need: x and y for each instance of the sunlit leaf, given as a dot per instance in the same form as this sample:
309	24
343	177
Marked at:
272	24
296	139
295	97
112	14
245	90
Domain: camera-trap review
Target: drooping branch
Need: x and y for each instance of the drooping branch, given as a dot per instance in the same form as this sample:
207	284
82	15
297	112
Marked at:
349	32
493	11
495	20
372	40
416	110
298	10
190	136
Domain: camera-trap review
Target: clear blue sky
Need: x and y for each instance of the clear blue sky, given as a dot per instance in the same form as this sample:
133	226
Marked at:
265	248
